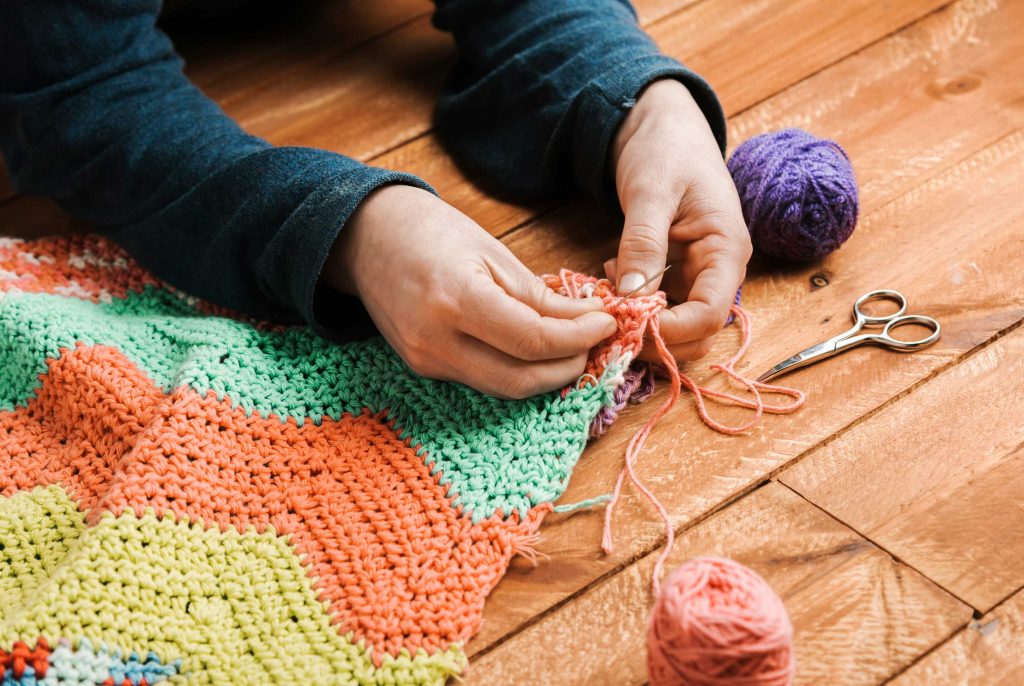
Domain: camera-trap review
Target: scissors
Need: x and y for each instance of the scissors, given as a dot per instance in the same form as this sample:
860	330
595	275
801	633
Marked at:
849	339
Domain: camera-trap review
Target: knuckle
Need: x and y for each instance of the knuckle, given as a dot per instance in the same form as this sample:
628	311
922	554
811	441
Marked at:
530	343
520	386
711	322
701	349
641	240
417	362
419	352
746	243
440	306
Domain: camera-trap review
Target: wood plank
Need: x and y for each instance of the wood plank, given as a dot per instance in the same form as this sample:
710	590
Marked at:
859	615
426	158
908	106
360	102
652	11
916	96
26	216
366	101
234	54
952	456
967	215
751	51
381	95
985	653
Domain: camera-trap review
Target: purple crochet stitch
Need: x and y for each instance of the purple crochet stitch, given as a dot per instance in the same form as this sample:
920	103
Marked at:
637	387
798	192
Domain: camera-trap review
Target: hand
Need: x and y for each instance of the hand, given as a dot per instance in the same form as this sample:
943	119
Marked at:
680	206
455	303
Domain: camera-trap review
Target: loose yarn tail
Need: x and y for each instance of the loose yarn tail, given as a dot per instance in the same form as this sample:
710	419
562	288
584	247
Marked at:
676	380
633	451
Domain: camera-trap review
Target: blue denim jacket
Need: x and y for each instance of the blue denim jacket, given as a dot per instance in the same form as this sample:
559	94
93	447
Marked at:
96	113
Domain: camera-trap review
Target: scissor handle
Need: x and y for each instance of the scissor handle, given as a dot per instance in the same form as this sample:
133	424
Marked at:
886	338
864	319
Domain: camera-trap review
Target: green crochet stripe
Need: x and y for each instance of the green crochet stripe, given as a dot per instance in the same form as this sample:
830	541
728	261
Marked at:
497	455
236	608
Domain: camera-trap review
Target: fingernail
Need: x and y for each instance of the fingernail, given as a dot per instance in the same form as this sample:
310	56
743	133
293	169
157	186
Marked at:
630	282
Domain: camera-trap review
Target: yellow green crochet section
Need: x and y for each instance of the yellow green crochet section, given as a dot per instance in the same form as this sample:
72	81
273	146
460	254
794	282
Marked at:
218	607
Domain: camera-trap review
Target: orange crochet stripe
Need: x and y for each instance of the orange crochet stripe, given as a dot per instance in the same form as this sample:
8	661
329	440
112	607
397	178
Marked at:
88	268
79	266
396	563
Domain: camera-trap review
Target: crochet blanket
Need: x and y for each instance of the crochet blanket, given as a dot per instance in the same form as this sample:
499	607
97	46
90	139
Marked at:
191	497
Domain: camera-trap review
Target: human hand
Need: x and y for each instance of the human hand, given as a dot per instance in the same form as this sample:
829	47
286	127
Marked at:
455	303
681	206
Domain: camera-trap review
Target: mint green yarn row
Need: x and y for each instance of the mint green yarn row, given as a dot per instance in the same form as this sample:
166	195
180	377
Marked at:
496	455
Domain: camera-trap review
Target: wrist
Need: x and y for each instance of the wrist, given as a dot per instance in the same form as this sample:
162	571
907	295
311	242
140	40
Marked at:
340	269
662	102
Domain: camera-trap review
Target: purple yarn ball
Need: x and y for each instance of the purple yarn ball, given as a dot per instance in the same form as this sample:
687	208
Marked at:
798	192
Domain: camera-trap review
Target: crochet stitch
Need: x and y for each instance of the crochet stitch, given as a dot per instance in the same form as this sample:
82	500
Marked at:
191	496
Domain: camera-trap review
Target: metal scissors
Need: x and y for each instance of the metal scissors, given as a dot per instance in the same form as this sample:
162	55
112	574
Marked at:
849	339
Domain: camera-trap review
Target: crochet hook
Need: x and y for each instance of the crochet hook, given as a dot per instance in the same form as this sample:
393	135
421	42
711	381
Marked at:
640	287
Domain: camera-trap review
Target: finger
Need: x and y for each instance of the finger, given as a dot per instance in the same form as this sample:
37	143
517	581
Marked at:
643	247
526	287
707	307
495	317
491	371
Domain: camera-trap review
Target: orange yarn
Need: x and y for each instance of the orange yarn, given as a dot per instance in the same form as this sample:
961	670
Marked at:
637	317
719	623
373	526
20	656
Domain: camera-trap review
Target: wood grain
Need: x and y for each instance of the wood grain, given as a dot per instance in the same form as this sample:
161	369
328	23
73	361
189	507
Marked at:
916	96
985	653
917	246
375	98
937	477
922	243
366	101
234	54
857	612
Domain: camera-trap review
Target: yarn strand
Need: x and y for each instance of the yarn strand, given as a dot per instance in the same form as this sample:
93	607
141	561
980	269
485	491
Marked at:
633	451
676	380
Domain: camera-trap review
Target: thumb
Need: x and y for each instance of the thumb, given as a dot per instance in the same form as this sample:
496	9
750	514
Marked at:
643	248
528	288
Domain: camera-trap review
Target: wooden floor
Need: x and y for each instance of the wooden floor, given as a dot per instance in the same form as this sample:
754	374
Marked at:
889	512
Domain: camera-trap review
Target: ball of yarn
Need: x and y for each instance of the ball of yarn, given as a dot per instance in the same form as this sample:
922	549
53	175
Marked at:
718	623
798	192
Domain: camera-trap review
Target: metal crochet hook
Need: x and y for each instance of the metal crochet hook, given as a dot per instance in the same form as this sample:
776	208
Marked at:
639	288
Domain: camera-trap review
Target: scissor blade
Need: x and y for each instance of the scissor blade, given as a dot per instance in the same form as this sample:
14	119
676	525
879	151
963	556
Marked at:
801	359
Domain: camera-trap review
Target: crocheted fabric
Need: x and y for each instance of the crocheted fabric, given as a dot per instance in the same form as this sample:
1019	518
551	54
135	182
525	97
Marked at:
193	497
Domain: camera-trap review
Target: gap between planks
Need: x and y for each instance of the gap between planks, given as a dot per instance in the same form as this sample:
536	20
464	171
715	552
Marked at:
984	162
806	555
525	223
994	634
771	477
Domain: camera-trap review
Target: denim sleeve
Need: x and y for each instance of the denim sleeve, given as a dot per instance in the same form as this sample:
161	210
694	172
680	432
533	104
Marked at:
96	113
541	86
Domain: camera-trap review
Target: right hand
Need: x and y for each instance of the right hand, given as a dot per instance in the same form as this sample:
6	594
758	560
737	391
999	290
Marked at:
455	303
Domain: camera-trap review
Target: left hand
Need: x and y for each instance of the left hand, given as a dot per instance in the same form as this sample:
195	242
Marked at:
681	206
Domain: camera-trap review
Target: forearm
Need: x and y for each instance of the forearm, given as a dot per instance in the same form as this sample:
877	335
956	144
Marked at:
96	113
541	87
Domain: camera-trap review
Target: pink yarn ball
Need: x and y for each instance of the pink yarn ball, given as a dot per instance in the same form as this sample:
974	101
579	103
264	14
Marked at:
718	623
